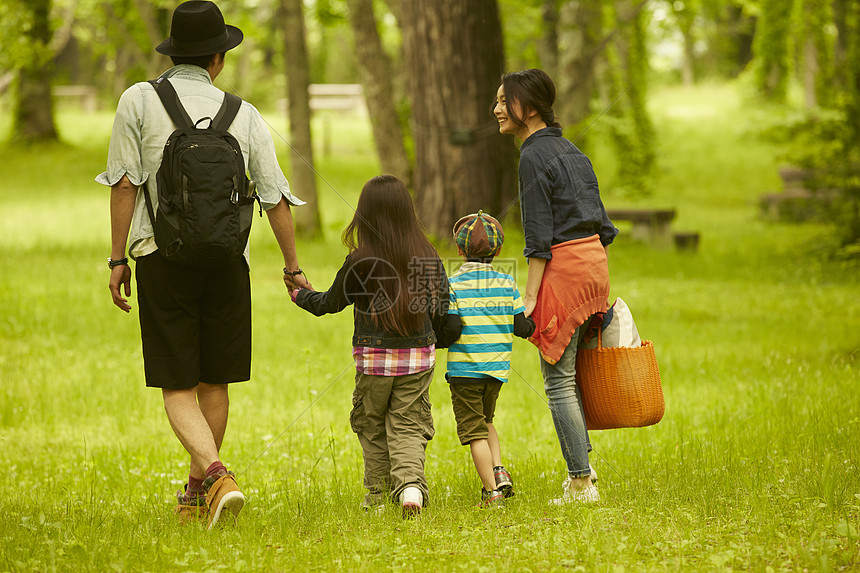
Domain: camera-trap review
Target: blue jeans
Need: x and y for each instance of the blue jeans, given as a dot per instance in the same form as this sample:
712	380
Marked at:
566	406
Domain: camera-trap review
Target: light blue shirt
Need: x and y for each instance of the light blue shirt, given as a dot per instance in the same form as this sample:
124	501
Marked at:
141	128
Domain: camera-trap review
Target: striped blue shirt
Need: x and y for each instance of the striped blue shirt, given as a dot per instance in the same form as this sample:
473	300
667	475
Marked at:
486	301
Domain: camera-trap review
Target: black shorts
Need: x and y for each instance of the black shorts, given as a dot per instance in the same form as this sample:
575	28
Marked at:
195	323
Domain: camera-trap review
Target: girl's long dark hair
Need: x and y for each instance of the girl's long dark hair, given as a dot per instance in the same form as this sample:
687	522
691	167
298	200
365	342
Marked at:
534	90
385	230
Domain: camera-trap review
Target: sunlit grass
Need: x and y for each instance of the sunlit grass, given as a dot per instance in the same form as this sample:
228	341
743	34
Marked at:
754	467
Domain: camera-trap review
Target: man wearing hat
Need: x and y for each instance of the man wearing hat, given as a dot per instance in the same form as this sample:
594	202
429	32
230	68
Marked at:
195	323
485	313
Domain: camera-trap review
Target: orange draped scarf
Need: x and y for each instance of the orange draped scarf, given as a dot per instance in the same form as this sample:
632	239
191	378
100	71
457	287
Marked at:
575	285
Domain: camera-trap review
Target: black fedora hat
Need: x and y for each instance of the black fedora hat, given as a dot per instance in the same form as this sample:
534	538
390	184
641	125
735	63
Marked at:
198	29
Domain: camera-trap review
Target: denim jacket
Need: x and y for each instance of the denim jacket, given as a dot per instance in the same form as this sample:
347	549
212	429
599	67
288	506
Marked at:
559	195
373	282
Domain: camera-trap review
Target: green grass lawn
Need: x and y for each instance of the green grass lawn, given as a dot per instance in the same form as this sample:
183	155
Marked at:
754	466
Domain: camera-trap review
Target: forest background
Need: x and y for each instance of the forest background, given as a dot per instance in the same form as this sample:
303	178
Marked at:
742	116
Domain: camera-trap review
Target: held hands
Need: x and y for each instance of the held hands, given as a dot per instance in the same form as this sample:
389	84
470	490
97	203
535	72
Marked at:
295	280
120	276
529	302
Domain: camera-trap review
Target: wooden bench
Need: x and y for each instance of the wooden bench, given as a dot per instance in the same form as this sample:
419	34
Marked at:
650	225
797	205
87	95
335	98
801	199
687	241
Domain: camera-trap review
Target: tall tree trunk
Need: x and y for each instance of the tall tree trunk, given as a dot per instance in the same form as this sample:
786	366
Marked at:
34	108
688	64
548	43
632	131
772	48
454	60
637	78
303	179
156	62
816	57
810	72
580	23
840	20
685	13
395	9
378	91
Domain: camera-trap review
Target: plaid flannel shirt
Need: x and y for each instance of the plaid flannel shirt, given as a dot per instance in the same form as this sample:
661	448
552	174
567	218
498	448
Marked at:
393	361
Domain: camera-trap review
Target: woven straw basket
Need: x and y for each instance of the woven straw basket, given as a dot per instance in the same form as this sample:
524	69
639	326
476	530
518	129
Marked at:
620	386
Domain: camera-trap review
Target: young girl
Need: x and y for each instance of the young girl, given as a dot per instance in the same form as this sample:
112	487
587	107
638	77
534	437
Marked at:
566	233
399	291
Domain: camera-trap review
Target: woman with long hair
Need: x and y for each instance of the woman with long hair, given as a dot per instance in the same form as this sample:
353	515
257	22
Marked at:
566	234
397	285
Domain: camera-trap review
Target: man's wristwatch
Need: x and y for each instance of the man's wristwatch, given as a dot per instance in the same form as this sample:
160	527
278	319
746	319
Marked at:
115	263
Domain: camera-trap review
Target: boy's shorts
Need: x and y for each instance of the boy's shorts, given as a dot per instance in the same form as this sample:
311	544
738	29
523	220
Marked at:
474	401
195	323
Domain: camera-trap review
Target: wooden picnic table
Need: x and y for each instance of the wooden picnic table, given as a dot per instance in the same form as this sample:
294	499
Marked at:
653	226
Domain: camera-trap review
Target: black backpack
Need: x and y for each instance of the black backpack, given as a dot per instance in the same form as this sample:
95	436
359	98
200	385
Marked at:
205	200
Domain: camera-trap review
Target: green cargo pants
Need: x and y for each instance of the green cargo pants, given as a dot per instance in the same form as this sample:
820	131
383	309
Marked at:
391	416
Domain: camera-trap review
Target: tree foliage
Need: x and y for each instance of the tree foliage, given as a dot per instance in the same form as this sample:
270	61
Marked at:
825	140
626	75
773	48
783	44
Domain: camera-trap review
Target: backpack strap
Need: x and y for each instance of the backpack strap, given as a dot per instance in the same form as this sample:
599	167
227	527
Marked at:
229	108
171	102
148	202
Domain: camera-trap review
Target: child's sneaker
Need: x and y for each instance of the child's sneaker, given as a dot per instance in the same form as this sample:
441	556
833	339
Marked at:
492	499
222	493
411	499
504	481
587	494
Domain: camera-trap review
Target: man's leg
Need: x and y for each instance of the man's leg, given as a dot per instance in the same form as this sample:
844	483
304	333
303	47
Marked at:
214	403
191	427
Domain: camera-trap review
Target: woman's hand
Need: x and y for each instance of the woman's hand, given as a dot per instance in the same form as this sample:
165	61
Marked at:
529	302
536	269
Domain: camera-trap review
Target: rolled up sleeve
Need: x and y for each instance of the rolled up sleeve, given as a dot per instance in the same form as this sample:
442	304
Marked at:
536	207
263	165
124	151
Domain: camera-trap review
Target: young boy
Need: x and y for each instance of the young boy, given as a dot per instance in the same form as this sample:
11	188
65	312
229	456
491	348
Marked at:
484	315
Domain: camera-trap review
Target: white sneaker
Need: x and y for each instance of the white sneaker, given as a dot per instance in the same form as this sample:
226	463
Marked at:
593	474
412	500
588	494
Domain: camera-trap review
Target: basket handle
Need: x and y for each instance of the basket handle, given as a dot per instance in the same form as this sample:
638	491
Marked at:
599	326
